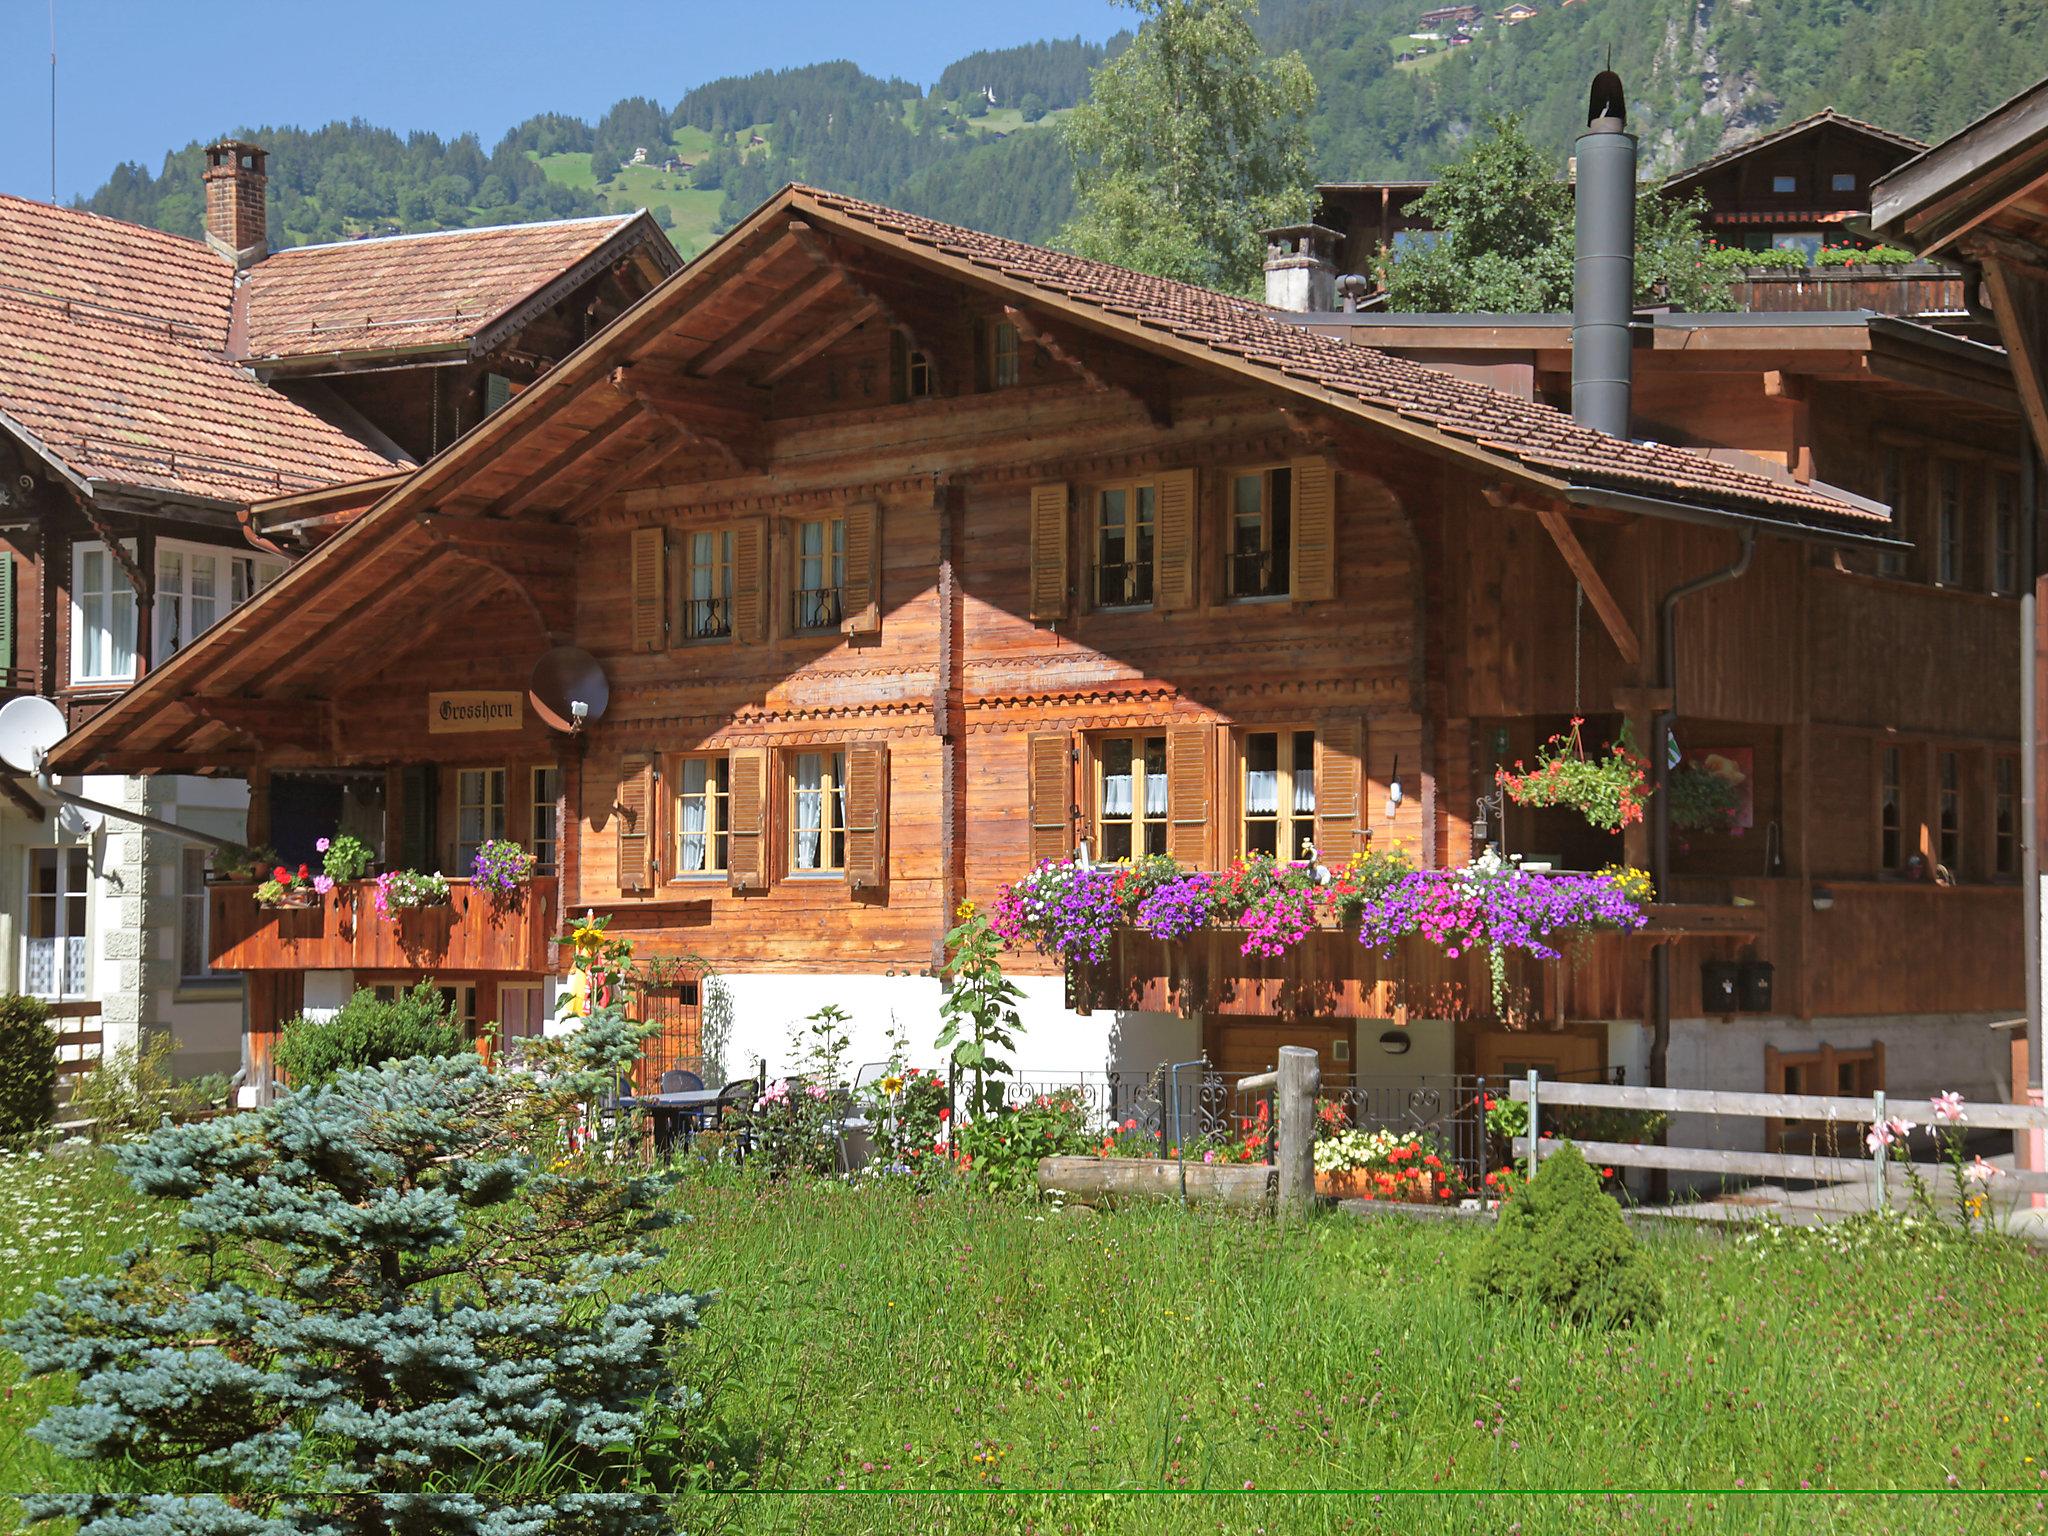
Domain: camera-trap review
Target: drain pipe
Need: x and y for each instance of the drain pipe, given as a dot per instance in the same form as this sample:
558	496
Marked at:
1660	778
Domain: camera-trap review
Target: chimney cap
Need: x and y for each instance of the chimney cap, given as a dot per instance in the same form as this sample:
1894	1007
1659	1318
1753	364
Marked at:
236	154
1606	107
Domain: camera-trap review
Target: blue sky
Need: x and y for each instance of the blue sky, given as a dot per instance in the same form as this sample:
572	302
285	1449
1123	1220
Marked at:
138	77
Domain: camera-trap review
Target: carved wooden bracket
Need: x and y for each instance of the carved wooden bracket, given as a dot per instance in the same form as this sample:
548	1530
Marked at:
1100	371
718	421
1559	527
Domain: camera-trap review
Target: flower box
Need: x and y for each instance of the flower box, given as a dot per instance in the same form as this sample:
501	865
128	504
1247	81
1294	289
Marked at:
1360	1184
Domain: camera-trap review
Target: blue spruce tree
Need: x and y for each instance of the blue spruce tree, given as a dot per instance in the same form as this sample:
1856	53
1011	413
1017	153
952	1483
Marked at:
402	1303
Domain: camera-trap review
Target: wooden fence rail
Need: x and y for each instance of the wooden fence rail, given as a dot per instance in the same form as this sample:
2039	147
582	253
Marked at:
1538	1093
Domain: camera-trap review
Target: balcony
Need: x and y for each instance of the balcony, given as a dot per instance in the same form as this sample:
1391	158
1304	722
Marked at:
344	932
1917	288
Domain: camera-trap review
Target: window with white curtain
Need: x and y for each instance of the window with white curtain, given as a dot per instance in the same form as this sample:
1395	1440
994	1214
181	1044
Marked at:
1279	792
817	813
479	814
1130	796
820	572
194	955
707	612
102	617
196	584
54	944
547	790
702	791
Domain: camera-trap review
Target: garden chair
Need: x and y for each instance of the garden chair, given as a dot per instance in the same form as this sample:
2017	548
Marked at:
668	1121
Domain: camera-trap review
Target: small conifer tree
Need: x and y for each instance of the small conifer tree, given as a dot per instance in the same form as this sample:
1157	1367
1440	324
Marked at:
1561	1244
403	1303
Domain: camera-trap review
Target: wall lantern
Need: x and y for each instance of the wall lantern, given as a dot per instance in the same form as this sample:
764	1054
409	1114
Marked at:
1823	898
1395	1042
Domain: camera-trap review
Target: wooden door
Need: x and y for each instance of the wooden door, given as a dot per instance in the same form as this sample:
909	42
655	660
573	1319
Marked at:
1239	1047
1580	1055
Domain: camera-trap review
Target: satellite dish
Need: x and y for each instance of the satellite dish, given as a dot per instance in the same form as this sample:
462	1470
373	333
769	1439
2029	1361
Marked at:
29	727
77	824
568	690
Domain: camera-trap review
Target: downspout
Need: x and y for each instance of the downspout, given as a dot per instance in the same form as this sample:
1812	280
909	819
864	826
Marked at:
2033	1091
1660	799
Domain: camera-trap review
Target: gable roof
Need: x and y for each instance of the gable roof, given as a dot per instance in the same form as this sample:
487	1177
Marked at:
413	293
1522	433
1827	117
110	366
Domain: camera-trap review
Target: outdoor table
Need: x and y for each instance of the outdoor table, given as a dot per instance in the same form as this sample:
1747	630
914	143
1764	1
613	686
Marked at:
669	1108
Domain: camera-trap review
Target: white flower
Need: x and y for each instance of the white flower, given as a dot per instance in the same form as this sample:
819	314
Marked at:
1982	1171
1947	1107
1879	1137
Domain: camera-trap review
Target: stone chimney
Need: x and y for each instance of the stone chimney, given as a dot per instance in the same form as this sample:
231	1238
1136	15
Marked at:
235	201
1301	267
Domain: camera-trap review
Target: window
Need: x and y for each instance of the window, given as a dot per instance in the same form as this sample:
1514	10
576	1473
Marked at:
194	956
1125	517
458	997
1892	562
1004	363
1948	527
196	585
102	617
707	585
702	795
1416	239
479	813
1784	184
817	813
2005	533
1261	533
1807	245
1891	810
1951	842
1130	797
54	963
2005	816
1842	181
917	375
820	573
547	791
1279	792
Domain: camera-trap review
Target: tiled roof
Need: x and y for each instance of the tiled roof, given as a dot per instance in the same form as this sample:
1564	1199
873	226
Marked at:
408	291
1535	435
1822	118
86	259
138	404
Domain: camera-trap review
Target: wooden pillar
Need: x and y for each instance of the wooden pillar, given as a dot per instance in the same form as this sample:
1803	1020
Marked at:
1294	1129
258	832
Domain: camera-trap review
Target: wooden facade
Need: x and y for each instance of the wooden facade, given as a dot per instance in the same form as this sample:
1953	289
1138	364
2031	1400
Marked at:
852	530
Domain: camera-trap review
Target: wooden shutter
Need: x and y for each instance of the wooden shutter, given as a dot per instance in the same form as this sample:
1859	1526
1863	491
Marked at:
1189	794
750	582
1049	551
861	592
1312	570
633	819
1050	790
867	816
1177	531
747	813
1341	823
6	611
419	800
650	588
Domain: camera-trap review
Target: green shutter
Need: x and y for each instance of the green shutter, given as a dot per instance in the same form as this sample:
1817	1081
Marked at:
497	392
6	612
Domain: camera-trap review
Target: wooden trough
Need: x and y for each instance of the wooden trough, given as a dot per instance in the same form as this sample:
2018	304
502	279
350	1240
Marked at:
1091	1180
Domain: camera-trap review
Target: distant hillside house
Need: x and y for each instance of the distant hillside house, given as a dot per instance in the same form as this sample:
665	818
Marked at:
1448	15
177	419
1515	15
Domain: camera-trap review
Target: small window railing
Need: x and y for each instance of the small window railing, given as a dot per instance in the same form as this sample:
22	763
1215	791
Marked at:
1255	573
707	618
1123	584
817	607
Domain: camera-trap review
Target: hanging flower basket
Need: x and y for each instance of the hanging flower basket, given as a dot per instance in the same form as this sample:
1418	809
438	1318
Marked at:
1609	791
408	890
292	890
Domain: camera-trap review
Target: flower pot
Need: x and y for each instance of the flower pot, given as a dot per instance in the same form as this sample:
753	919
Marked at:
1359	1184
295	901
1347	1184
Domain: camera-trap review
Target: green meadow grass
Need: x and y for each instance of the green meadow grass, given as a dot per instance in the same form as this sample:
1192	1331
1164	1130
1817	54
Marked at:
880	1361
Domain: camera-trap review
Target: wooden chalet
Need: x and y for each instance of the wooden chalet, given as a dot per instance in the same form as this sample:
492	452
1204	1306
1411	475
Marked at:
914	556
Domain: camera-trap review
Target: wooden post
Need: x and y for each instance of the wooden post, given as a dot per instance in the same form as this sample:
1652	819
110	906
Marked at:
1294	1129
1532	1122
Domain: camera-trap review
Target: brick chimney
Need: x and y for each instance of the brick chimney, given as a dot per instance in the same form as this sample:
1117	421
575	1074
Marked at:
235	201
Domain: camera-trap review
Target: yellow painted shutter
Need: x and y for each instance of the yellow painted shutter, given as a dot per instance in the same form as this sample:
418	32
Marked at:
862	589
1340	809
634	819
1189	793
650	588
747	812
1049	551
1050	771
867	816
1312	576
750	583
1178	523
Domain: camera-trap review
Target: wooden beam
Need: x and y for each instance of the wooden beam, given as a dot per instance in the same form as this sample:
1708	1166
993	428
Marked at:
711	423
592	497
380	607
1098	369
778	316
2023	327
858	315
17	792
529	490
491	537
1612	619
266	719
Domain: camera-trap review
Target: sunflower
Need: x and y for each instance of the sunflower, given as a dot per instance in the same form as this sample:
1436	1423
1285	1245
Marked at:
892	1085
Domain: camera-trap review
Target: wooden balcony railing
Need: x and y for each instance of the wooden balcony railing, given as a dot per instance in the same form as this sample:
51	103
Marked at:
344	932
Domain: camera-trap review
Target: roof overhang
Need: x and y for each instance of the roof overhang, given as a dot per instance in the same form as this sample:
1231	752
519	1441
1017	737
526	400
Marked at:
1931	201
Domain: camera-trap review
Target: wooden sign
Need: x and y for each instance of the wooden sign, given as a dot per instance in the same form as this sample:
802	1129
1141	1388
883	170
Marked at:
474	711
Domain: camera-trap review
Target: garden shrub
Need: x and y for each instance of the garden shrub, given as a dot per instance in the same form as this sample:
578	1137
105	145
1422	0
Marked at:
28	1066
1561	1244
132	1091
368	1033
401	1303
1004	1147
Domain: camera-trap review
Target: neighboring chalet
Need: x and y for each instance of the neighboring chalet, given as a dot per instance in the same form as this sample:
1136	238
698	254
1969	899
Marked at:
139	447
914	556
1800	187
1981	199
